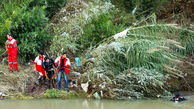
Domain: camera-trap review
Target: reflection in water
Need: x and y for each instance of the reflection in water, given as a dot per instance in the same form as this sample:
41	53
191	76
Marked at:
95	104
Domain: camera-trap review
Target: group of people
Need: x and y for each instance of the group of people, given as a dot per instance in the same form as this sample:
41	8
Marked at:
43	65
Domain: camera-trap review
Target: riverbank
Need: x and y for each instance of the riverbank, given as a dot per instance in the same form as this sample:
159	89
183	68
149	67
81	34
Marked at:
22	85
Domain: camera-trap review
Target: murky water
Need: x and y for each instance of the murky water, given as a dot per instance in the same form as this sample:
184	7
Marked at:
95	104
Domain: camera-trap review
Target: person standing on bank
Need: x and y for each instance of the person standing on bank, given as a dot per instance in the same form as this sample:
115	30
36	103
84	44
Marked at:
63	65
11	48
48	66
38	62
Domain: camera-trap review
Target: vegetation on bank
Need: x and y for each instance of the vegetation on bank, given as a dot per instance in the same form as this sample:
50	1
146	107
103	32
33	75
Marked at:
53	93
137	62
28	21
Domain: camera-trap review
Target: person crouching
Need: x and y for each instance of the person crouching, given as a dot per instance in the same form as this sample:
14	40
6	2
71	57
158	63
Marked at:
48	66
38	67
63	65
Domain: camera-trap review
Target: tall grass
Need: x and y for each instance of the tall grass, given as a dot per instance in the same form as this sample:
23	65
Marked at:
138	62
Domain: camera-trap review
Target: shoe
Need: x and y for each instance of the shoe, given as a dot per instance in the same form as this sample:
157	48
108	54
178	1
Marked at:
17	71
38	82
11	71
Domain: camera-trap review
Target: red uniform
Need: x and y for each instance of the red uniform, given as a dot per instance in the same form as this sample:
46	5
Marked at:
12	54
38	62
66	64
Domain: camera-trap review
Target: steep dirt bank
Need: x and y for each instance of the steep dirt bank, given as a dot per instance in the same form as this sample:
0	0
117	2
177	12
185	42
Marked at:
16	82
24	81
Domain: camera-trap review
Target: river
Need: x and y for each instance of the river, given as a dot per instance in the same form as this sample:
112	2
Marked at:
95	104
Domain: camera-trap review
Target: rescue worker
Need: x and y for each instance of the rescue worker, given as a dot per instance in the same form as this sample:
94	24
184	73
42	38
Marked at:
48	66
11	48
38	67
63	65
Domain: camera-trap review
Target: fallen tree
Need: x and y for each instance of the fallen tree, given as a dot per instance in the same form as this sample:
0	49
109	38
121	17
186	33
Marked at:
138	61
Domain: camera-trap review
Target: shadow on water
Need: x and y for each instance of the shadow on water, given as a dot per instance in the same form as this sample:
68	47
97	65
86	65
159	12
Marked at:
96	104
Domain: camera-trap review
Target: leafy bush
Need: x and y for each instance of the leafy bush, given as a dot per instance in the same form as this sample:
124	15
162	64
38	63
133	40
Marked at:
27	25
99	29
30	29
52	6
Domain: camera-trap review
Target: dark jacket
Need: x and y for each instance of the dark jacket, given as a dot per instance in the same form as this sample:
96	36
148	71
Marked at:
48	66
179	99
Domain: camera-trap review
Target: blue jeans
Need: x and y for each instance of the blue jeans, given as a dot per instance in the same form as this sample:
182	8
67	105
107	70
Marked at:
65	79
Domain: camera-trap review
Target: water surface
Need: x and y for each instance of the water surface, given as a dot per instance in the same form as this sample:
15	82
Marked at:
95	104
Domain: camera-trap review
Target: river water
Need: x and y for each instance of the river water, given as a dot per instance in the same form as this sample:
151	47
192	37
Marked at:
95	104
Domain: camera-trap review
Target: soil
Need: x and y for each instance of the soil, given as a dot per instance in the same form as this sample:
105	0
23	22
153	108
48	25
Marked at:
24	81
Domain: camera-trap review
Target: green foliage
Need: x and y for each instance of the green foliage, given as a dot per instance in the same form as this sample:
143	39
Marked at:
30	29
4	29
138	60
27	25
73	23
52	6
27	20
144	47
60	94
99	29
132	52
187	41
145	7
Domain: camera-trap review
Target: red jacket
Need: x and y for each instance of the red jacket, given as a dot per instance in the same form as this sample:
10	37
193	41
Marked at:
66	64
38	62
12	47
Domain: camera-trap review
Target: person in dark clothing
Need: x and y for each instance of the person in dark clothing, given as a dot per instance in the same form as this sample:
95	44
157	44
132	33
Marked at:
178	98
48	66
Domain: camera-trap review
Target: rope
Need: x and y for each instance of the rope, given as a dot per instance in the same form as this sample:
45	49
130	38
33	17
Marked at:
48	77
